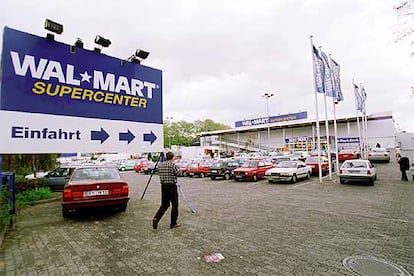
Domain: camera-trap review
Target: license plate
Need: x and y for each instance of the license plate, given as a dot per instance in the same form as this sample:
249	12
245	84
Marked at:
354	171
96	193
238	176
214	171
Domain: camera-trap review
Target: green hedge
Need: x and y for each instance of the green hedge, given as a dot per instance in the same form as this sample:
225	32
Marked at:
27	192
24	184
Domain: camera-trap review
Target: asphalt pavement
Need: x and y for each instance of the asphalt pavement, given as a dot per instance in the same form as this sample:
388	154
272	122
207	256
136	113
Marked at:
307	228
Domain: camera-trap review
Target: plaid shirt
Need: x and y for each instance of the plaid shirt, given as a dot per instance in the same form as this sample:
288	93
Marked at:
168	172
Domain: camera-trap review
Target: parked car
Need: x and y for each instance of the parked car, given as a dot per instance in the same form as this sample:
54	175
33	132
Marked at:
379	155
312	161
223	169
252	170
288	171
149	168
57	178
38	175
277	159
126	165
183	165
357	170
348	154
199	168
139	165
94	186
300	155
324	153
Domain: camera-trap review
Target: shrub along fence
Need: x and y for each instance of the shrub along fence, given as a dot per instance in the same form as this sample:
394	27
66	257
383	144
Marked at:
7	201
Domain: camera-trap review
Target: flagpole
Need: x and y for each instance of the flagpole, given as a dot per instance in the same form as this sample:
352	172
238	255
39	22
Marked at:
318	134
357	118
364	129
327	130
327	138
366	121
335	101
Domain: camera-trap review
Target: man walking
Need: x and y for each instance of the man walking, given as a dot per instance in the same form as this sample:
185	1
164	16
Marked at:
404	166
168	172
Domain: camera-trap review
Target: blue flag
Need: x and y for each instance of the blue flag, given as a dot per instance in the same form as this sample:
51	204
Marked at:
363	95
336	80
358	98
318	71
327	76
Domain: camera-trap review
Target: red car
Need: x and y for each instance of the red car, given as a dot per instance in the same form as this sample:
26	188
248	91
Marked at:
252	170
142	163
94	186
348	154
313	162
200	169
183	165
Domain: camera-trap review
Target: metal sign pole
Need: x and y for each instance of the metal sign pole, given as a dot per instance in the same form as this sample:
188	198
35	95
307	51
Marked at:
161	157
185	199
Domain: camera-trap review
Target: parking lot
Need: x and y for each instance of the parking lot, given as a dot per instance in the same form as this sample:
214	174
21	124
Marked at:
306	228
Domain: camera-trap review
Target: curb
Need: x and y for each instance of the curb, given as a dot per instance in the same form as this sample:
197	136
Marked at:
55	198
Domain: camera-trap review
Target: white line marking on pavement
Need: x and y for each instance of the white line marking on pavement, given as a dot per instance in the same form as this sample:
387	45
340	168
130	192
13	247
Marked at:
299	185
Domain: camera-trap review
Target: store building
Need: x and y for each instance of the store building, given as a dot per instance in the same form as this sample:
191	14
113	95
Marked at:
296	132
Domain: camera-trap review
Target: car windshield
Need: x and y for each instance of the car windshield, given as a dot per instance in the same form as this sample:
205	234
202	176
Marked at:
217	165
378	150
312	160
250	164
286	164
354	164
95	173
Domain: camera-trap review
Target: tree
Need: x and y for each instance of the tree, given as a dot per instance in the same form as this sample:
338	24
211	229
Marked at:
185	133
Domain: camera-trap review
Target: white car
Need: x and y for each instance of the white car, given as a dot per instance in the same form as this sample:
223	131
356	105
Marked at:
379	154
289	171
357	170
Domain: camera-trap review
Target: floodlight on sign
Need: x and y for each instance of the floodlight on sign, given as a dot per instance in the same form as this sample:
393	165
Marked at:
137	57
78	44
141	54
104	42
54	27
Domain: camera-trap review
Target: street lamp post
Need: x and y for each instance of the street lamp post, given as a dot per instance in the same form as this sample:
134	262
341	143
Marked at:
169	131
267	96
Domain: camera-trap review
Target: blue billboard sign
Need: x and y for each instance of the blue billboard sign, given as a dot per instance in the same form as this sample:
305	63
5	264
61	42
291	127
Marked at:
272	119
44	76
348	140
58	98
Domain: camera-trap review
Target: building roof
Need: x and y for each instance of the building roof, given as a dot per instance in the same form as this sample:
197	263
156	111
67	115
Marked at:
296	123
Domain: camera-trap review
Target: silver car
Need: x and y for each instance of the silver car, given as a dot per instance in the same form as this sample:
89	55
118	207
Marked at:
357	170
379	154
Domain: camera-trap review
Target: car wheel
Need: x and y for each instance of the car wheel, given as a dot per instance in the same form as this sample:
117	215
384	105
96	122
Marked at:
342	181
122	207
212	177
65	213
270	181
371	182
122	169
294	178
202	175
227	176
255	177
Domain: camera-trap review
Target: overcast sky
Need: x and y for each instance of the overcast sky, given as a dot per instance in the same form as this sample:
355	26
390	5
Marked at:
219	57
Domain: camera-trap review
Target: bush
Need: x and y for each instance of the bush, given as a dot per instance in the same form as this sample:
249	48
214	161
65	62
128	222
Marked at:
24	184
29	197
4	208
